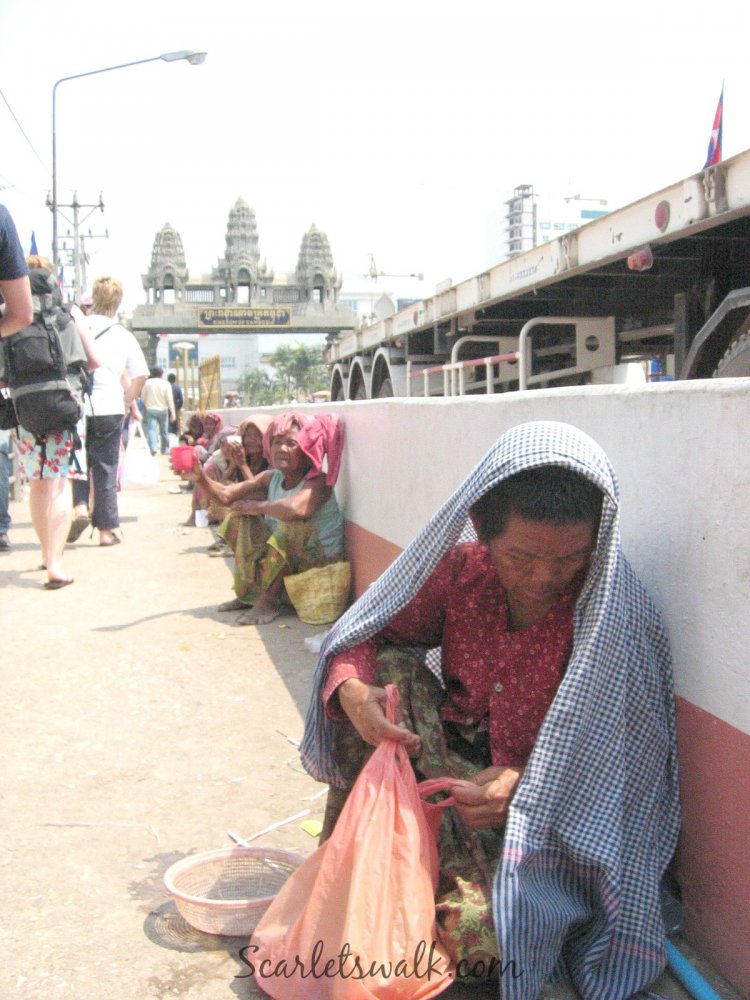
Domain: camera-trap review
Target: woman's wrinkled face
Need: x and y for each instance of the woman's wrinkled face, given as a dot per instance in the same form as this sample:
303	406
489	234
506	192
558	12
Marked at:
286	454
252	442
537	561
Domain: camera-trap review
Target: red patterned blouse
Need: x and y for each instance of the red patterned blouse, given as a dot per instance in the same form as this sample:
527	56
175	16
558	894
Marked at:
496	678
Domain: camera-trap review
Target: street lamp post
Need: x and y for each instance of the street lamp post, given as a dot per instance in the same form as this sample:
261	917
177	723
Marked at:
193	57
189	384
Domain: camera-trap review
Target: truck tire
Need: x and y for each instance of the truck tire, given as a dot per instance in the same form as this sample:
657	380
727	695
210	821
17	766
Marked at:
736	360
386	389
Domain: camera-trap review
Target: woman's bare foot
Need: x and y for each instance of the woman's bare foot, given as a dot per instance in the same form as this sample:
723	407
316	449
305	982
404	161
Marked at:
264	612
56	573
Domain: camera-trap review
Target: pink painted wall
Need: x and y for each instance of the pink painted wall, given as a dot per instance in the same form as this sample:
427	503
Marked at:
713	859
369	556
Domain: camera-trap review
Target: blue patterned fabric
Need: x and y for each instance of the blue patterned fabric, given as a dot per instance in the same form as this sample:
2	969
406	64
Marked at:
594	822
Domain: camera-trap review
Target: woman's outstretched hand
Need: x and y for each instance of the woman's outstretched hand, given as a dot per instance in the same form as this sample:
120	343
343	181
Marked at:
365	707
195	474
483	799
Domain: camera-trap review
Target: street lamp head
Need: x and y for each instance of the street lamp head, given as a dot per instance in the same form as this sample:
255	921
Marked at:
193	57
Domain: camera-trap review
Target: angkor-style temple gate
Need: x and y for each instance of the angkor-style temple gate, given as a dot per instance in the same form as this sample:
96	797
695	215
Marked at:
222	312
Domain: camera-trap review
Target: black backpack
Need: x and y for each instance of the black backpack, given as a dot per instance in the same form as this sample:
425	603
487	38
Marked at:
45	365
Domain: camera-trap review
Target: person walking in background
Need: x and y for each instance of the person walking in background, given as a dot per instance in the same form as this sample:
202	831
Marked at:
179	402
158	403
16	312
117	382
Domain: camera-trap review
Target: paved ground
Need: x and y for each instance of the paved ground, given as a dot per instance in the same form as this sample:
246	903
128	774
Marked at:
139	725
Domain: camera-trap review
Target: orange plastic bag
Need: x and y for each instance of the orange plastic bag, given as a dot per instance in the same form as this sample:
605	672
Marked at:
356	921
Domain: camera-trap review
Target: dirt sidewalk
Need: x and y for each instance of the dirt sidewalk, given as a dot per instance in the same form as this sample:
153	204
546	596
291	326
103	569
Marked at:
139	725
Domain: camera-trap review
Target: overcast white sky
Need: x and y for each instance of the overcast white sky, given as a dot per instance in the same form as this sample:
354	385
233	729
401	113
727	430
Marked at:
396	127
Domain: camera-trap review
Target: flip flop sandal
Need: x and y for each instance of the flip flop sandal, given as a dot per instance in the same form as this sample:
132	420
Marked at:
77	528
57	584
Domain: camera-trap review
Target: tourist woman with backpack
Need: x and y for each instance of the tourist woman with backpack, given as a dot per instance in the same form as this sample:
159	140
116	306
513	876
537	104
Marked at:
121	364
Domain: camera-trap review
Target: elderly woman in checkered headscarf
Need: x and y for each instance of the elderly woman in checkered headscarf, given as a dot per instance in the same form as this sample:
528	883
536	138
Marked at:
535	672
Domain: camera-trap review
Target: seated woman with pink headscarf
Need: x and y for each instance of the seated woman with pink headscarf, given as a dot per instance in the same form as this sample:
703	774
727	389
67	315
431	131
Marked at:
285	520
238	458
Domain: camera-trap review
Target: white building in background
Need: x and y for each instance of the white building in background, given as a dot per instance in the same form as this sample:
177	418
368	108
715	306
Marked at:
528	219
238	353
375	300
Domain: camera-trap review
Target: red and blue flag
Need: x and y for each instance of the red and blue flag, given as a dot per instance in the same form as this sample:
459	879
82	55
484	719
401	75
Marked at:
714	146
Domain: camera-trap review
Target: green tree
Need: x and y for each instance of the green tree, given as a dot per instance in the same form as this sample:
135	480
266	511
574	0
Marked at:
282	360
258	388
300	369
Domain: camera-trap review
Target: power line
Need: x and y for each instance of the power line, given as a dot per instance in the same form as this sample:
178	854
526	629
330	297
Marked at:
20	128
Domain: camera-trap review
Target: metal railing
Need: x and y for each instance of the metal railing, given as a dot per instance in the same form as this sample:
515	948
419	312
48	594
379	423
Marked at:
592	347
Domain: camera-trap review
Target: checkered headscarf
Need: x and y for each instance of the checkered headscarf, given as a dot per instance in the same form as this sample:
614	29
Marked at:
594	822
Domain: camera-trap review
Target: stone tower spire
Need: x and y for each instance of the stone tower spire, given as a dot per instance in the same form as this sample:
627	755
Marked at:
242	238
239	268
168	269
315	270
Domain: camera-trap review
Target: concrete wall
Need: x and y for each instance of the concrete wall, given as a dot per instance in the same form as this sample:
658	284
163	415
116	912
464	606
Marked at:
682	457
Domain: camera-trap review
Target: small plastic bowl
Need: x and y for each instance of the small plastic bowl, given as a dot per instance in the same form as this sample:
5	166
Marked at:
183	457
228	891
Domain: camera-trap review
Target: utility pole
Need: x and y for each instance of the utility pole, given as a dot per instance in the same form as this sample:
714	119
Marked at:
76	222
84	255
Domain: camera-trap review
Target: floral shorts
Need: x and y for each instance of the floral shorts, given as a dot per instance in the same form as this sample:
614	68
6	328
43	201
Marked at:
54	460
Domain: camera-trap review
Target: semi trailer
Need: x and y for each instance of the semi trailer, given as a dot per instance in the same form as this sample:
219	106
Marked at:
662	284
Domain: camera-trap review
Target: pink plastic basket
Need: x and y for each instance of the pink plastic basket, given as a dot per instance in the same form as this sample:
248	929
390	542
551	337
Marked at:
228	891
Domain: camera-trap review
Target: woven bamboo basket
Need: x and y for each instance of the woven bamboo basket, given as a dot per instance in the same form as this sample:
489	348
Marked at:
227	891
320	595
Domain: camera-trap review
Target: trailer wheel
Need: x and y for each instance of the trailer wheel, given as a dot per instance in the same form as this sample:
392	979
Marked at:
386	389
736	360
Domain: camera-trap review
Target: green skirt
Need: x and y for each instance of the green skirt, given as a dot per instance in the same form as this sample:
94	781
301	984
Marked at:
261	554
468	857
